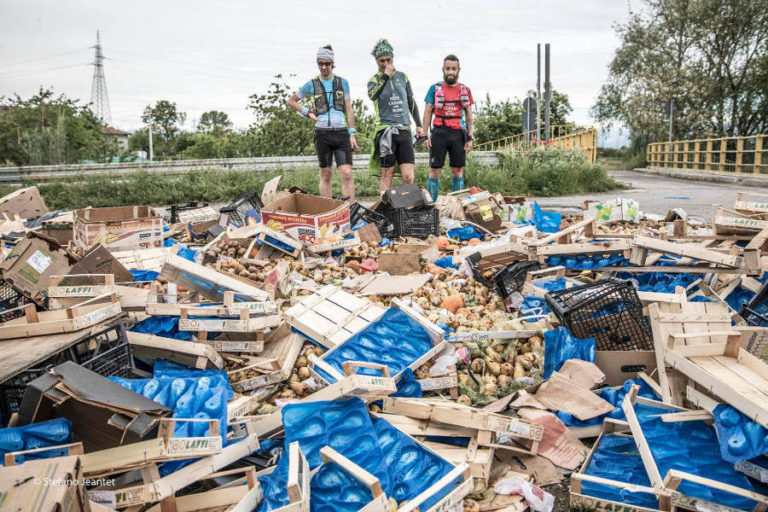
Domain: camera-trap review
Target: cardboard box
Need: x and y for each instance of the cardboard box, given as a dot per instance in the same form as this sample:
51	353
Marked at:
613	210
407	258
307	218
32	262
46	485
99	260
517	209
755	341
104	414
26	202
620	365
409	196
121	228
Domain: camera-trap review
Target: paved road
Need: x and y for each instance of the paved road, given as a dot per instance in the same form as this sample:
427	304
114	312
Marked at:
658	194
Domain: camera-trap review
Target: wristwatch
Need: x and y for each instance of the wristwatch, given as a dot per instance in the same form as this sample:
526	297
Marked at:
471	137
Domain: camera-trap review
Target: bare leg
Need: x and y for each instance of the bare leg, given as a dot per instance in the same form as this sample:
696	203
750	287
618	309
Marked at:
347	183
435	173
386	178
325	181
407	171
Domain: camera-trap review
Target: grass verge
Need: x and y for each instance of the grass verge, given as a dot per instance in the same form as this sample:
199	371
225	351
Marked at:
543	173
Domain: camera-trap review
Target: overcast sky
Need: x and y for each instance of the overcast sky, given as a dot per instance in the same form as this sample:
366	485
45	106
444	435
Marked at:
207	55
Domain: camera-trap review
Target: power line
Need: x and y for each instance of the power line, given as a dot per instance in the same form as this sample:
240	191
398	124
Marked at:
17	63
186	63
14	74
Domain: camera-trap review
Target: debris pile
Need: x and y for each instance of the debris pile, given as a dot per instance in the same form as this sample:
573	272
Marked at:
289	352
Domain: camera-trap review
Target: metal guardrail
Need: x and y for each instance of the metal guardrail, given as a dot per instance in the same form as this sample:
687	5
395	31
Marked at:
16	175
745	155
561	136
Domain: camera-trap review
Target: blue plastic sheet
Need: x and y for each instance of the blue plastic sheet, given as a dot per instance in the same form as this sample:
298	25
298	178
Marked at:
394	340
144	275
334	489
547	222
465	233
585	262
445	262
617	458
165	326
408	386
740	438
193	398
169	369
533	305
36	435
559	346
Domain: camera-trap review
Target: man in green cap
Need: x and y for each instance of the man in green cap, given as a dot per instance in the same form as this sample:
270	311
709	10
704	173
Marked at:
392	97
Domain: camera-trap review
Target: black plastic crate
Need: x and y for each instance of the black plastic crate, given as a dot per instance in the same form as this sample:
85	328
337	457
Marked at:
238	208
384	224
106	352
175	209
485	269
755	312
11	298
608	310
417	223
511	278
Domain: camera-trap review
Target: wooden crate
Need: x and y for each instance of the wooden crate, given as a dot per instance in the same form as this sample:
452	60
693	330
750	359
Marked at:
80	285
85	314
579	499
154	488
331	316
206	281
379	502
241	495
299	477
163	448
281	349
146	259
267	235
487	424
196	355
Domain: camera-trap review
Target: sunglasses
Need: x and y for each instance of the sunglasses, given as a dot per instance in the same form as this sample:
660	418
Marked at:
325	64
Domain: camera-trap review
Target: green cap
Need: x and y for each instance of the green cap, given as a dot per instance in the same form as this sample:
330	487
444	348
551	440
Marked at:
382	48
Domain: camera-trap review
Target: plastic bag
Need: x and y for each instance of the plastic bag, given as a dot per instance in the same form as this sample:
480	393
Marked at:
538	499
546	222
560	345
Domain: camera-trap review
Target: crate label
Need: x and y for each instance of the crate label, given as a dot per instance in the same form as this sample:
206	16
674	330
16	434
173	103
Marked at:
339	244
255	382
39	261
374	382
213	325
750	205
450	381
134	495
509	426
236	346
254	307
752	470
241	410
105	498
78	291
178	446
95	317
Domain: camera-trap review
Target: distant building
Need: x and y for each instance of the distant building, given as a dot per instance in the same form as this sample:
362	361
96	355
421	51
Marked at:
114	134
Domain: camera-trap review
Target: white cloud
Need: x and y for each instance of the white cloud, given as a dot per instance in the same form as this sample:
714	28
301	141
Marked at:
212	55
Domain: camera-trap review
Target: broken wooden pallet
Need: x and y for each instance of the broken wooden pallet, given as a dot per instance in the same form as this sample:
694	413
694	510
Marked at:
85	314
641	245
331	316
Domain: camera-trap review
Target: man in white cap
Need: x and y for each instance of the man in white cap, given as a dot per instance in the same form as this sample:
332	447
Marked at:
334	122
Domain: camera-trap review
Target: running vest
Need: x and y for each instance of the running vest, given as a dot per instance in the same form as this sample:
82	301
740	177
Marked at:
440	103
319	99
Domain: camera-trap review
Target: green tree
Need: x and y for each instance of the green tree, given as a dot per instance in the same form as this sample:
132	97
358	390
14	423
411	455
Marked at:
165	119
711	56
214	121
48	129
495	121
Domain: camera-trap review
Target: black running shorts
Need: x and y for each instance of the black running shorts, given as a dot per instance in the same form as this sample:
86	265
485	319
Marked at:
333	144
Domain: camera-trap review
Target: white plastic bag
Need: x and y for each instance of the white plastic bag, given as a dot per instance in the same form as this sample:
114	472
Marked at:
538	499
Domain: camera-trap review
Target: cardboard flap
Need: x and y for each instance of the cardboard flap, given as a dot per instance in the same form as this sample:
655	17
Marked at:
98	260
86	385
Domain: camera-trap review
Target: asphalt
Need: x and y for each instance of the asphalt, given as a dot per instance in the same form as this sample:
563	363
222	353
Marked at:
658	194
